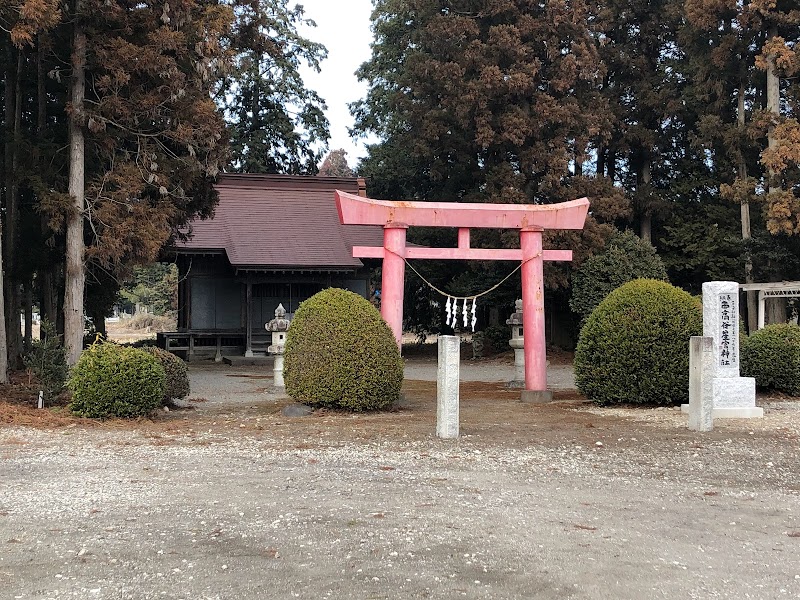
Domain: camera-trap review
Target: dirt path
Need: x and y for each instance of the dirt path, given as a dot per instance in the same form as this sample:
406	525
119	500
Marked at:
232	500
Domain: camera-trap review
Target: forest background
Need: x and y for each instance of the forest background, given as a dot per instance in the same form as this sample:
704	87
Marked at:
677	118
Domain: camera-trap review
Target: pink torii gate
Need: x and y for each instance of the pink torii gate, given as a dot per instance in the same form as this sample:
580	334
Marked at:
531	220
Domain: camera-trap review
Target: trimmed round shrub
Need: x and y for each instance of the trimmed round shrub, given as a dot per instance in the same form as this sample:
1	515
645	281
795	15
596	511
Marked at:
634	347
116	381
626	257
772	356
340	353
177	382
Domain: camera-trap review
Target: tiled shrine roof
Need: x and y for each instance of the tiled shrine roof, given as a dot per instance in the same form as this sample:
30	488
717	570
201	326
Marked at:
281	223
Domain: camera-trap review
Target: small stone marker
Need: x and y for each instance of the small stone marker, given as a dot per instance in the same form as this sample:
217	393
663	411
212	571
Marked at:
701	401
447	393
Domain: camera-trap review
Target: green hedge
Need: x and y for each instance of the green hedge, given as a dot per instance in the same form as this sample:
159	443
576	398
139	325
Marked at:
772	356
177	382
634	347
116	381
340	353
626	257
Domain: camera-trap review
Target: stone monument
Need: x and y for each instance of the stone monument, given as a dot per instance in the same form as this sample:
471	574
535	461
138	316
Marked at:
278	326
517	342
734	397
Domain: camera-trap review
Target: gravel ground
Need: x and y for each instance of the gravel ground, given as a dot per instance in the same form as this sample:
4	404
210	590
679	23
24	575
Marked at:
231	500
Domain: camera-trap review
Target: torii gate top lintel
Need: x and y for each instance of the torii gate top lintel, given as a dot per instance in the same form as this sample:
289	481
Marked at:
357	210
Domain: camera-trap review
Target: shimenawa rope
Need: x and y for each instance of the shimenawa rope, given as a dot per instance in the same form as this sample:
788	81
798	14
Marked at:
452	313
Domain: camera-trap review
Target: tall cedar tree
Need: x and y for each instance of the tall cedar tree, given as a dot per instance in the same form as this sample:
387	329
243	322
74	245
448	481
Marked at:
155	77
487	101
150	133
653	152
744	61
643	87
22	22
277	125
133	107
763	38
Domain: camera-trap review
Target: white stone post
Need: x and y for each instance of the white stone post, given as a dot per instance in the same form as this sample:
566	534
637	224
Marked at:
701	401
734	397
447	393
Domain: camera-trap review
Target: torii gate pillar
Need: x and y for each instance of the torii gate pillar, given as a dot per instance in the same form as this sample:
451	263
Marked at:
534	344
393	278
530	220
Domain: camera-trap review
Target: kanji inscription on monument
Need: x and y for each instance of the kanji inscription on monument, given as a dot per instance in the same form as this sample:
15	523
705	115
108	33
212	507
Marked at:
728	334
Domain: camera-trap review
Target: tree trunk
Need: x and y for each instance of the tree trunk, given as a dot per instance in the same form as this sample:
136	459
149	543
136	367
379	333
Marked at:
600	170
611	165
12	298
646	228
580	148
3	340
41	93
774	108
8	119
3	337
28	307
646	218
75	275
751	296
775	311
47	306
100	325
777	306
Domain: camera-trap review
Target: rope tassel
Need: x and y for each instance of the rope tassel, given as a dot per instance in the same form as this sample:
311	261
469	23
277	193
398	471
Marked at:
452	309
474	317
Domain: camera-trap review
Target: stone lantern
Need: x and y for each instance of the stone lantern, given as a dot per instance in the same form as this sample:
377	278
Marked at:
278	326
517	342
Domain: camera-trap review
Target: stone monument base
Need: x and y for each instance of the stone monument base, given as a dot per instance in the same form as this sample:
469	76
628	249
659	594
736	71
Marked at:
734	398
536	396
752	412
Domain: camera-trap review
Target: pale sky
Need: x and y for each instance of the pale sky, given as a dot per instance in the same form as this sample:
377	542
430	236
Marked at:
343	28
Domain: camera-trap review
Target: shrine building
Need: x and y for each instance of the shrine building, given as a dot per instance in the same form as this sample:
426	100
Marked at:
273	239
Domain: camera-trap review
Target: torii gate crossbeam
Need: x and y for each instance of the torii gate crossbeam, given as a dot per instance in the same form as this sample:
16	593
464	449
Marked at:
530	220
